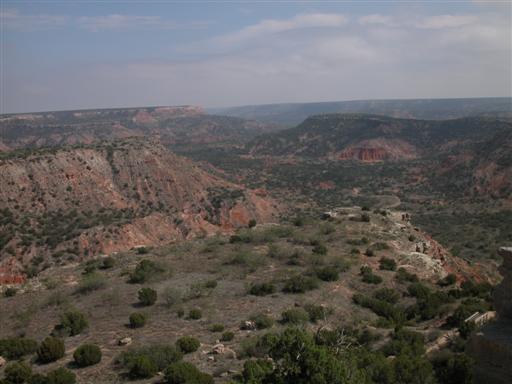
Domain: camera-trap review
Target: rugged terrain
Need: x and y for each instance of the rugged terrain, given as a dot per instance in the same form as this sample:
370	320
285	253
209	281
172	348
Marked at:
476	150
85	200
173	125
368	240
432	109
215	275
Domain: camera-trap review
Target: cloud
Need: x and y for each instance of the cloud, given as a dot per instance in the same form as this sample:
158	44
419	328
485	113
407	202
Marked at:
13	20
272	26
377	19
308	57
446	21
117	22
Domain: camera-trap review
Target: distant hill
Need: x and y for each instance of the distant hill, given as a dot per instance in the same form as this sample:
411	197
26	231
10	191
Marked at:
174	125
433	109
476	149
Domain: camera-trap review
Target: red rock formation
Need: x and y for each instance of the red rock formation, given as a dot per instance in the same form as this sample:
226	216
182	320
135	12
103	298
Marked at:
378	150
11	272
364	154
170	197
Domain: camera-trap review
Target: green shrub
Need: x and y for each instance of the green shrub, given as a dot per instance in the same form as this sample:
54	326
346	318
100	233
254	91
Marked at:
262	321
387	294
195	314
186	373
10	292
314	364
317	312
38	378
172	296
387	264
247	260
86	355
453	369
50	349
369	252
328	273
320	249
147	296
403	276
262	289
17	347
369	277
61	376
71	323
217	328
365	218
300	284
255	371
138	320
160	355
90	282
17	373
390	312
210	284
142	367
108	262
418	290
188	344
405	340
294	316
227	336
252	223
142	251
145	271
450	279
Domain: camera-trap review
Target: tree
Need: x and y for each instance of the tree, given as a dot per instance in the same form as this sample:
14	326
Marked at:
61	376
188	344
137	320
147	296
298	360
17	373
51	349
142	367
186	373
87	354
71	323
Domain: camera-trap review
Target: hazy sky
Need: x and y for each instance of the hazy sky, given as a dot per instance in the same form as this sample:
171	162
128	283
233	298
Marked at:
59	55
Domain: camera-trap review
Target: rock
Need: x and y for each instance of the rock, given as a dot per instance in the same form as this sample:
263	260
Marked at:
221	349
210	358
218	348
2	361
491	347
125	341
248	325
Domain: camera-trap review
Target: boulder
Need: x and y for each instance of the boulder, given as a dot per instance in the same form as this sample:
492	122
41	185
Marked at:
125	341
221	349
2	361
248	325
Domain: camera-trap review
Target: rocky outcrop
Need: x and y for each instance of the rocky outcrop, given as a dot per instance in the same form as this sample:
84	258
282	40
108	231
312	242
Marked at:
491	346
106	198
364	154
11	272
173	125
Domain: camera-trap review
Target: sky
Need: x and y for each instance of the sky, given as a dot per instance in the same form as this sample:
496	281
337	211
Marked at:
59	55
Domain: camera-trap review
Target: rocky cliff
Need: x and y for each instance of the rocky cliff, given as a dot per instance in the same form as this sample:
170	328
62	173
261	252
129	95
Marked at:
77	201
